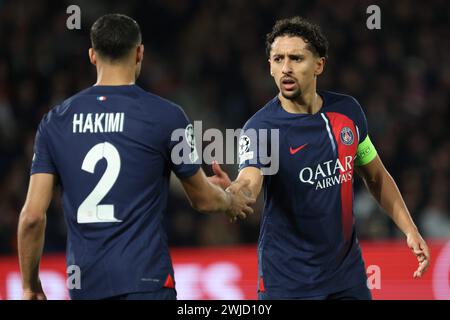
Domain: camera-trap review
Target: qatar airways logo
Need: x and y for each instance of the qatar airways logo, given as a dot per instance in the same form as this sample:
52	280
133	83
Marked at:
328	173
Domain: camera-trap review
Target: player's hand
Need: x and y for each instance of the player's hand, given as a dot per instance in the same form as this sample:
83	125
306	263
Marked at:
220	177
240	200
34	294
420	249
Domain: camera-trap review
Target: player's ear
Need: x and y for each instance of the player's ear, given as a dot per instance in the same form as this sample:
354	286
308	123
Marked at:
92	56
320	65
140	53
270	66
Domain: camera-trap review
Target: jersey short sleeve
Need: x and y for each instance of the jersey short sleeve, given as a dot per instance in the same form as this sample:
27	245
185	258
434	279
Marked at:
366	151
183	153
42	160
254	143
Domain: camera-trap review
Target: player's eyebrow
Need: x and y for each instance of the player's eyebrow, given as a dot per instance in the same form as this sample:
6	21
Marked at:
296	55
290	55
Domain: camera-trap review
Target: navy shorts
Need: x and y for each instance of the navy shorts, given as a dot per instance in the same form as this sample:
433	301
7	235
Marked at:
360	292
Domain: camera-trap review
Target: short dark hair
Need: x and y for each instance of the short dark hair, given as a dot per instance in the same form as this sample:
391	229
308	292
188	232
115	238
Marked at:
299	27
114	35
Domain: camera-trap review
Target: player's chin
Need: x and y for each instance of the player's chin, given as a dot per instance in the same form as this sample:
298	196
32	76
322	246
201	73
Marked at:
290	94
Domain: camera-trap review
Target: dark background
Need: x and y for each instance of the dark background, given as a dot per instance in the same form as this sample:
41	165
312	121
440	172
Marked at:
208	56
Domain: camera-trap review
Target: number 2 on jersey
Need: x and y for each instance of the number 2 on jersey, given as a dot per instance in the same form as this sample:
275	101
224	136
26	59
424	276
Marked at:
90	211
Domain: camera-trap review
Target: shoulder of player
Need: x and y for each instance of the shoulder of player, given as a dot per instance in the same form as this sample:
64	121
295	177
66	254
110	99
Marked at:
57	110
335	97
262	118
146	98
344	103
61	108
159	103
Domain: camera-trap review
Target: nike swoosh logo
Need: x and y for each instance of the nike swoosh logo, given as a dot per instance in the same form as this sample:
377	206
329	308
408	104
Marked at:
294	151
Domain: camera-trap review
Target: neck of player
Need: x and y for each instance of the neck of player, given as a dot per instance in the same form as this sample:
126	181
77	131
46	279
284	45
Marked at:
308	102
115	74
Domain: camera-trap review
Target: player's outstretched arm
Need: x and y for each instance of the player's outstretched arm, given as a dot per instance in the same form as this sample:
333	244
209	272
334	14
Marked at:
384	189
253	188
31	233
206	197
251	174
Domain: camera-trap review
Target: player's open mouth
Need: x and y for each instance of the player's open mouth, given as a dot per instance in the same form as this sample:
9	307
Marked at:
288	83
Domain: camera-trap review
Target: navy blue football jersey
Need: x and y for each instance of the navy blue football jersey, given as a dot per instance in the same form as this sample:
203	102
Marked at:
307	244
110	147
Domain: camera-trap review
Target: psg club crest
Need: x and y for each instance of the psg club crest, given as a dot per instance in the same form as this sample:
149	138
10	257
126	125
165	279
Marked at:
347	136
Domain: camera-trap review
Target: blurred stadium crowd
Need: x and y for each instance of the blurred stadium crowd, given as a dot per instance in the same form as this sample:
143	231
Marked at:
208	56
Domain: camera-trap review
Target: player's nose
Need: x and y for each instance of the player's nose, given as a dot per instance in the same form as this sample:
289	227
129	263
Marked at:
287	67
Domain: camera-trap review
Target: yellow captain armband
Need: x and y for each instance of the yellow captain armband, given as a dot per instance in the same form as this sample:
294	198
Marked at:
365	153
